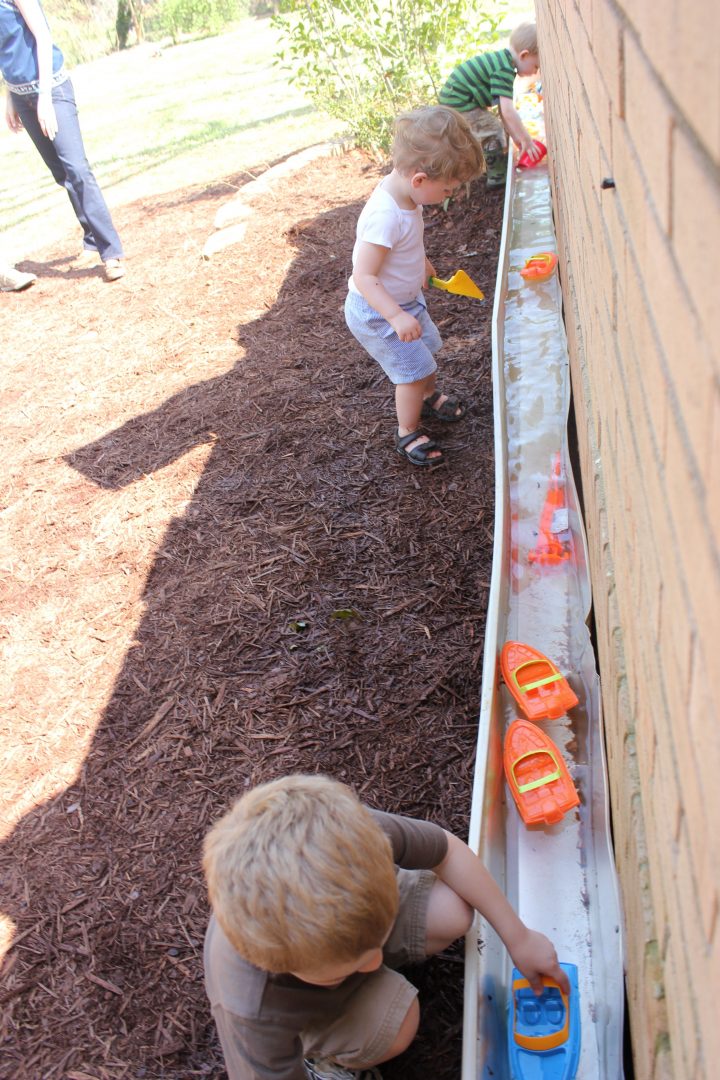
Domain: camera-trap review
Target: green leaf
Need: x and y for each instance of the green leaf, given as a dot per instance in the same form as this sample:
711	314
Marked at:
345	613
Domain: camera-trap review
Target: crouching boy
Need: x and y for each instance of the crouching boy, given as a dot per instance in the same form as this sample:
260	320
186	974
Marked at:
317	901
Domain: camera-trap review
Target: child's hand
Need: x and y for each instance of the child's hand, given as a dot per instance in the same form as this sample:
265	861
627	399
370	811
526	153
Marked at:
527	146
535	956
13	120
406	326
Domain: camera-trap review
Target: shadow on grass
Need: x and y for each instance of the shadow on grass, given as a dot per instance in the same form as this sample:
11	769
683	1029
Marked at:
24	206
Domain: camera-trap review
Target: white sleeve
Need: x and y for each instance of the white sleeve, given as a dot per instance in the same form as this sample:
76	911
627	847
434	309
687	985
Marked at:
380	227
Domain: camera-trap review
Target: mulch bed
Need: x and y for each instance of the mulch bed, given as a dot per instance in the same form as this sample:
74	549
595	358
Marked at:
226	574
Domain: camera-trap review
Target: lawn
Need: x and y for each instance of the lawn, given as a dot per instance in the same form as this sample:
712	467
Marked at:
158	119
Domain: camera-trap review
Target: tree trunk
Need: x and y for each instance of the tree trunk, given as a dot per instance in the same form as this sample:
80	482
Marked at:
137	19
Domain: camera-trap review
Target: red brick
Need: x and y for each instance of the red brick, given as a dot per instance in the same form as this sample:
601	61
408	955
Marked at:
646	96
696	557
696	229
652	401
683	1035
670	32
710	466
699	760
630	190
689	360
606	38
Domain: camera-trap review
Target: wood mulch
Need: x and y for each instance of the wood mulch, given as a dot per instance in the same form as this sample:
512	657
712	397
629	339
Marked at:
217	571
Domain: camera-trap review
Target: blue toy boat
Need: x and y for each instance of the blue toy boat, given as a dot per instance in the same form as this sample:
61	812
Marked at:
544	1031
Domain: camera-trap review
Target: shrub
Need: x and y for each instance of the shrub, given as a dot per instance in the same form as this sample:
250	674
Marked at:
177	17
363	61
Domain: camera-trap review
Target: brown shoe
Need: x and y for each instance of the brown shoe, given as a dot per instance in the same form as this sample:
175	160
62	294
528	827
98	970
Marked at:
12	280
114	269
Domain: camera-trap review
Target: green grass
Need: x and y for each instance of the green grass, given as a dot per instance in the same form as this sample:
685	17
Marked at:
159	120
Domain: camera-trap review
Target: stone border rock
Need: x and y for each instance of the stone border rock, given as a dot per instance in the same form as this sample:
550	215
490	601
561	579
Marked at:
232	218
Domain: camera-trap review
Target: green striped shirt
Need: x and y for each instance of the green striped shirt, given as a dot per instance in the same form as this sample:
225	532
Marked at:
479	82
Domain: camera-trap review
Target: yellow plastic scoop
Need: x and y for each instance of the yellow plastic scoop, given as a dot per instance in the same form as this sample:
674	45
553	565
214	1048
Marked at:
459	283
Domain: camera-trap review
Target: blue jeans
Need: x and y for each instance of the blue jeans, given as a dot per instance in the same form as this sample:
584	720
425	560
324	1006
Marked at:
65	158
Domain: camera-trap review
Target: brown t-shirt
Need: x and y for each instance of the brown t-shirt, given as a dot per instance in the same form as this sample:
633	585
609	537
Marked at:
259	1015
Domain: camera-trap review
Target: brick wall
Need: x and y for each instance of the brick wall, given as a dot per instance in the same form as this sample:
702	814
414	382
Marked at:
632	92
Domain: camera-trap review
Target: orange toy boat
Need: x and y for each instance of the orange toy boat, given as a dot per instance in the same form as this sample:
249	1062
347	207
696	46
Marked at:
539	267
536	684
555	540
537	775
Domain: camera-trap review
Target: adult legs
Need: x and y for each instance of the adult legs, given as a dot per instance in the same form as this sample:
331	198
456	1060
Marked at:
65	158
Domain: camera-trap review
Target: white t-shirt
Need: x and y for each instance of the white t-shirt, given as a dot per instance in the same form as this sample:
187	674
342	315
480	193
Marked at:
383	222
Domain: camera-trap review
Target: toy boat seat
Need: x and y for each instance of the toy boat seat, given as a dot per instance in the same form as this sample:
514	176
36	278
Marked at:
540	690
544	1031
537	775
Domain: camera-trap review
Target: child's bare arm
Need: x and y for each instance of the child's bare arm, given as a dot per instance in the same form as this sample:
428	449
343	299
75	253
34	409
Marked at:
518	132
531	952
368	264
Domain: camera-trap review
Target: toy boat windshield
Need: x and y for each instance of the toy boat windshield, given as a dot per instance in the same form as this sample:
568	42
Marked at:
539	267
537	775
536	684
544	1030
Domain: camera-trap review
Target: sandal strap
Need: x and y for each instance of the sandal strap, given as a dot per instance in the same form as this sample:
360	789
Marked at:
433	398
405	440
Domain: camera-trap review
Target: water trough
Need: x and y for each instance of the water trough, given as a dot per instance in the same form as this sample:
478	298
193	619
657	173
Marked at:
560	878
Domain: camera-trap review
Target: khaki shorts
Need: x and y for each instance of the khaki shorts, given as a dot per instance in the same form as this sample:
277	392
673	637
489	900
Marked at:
375	1012
485	124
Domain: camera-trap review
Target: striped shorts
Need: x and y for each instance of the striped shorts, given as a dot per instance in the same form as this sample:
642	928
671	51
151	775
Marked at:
402	361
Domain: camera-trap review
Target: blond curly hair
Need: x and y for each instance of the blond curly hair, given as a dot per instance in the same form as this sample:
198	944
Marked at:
437	141
300	875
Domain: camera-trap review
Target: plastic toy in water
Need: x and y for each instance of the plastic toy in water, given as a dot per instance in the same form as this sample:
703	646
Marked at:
526	162
539	267
459	283
555	539
536	684
537	774
544	1030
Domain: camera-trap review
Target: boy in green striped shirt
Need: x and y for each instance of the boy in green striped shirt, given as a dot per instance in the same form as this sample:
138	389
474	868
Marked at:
478	85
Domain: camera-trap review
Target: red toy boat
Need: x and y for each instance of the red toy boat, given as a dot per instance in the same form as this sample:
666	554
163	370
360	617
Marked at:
555	539
537	775
536	684
539	267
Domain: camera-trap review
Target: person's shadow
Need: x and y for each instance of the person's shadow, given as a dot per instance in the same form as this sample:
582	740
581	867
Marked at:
251	660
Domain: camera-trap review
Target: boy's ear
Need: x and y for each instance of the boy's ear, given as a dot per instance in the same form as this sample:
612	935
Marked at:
417	179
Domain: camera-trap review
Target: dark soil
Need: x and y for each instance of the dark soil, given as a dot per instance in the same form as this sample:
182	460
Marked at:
224	573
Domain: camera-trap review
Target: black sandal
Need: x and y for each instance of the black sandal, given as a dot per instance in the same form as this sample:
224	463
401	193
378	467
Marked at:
419	455
447	412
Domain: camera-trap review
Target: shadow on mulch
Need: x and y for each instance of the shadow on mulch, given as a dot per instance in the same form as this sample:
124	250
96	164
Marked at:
320	608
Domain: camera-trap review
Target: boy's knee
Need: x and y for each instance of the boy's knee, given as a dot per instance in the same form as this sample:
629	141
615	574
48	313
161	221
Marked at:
449	917
406	1033
461	919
